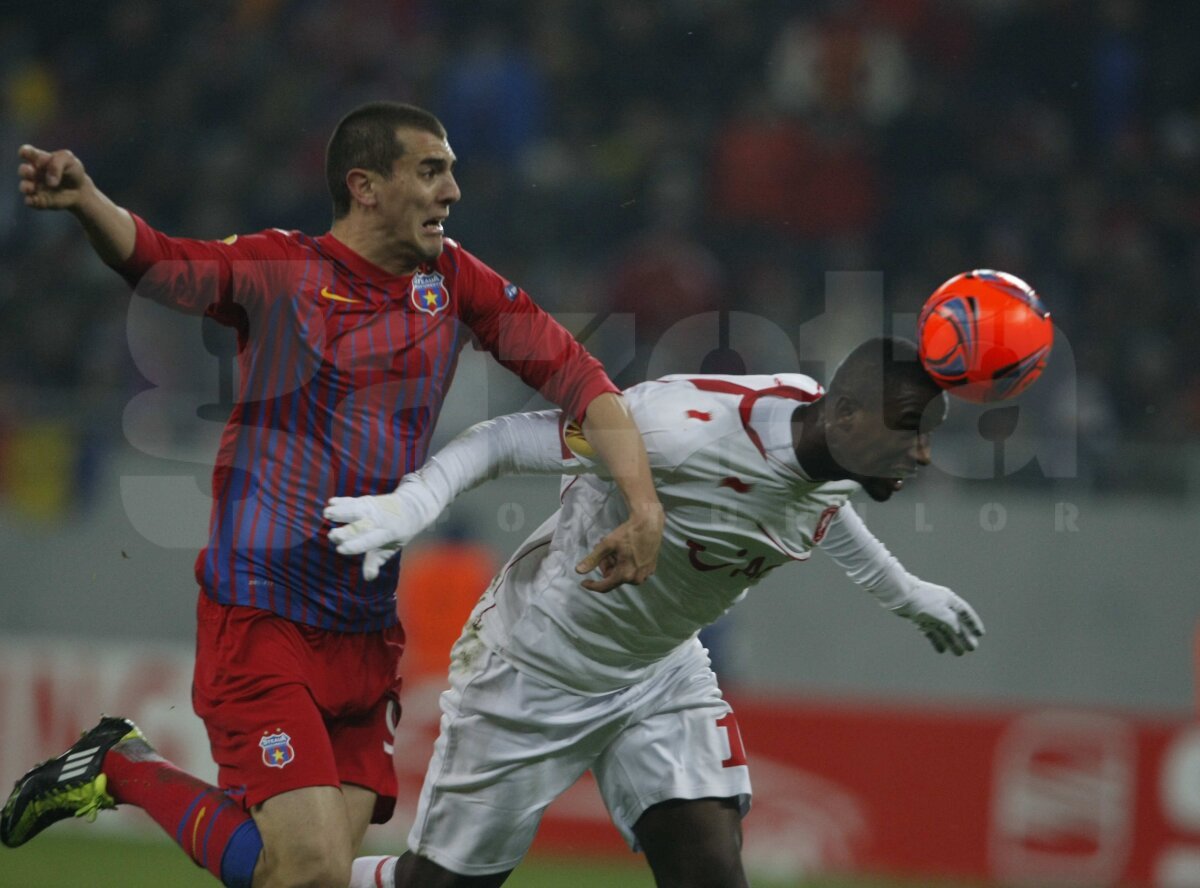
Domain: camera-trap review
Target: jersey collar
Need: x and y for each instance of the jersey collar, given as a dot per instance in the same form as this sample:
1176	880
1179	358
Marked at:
356	264
771	419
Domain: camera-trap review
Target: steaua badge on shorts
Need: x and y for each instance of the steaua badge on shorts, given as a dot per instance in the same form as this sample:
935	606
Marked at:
277	749
429	293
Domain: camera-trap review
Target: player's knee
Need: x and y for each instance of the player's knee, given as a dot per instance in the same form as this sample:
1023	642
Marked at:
700	867
305	865
295	874
307	840
719	867
693	844
420	872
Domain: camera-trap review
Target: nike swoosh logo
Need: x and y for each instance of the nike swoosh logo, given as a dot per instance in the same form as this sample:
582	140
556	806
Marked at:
325	291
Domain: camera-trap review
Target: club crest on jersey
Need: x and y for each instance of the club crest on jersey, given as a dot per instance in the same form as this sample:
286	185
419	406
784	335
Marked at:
277	749
429	293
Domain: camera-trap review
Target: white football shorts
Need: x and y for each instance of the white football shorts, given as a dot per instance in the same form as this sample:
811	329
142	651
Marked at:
509	744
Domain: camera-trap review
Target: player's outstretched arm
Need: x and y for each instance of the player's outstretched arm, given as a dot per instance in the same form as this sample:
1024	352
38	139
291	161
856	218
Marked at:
943	617
630	553
56	180
377	527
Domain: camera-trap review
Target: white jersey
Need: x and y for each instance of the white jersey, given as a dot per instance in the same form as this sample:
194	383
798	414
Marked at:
550	680
737	504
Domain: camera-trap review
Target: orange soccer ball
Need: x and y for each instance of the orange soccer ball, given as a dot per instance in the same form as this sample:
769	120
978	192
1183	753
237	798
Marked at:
984	335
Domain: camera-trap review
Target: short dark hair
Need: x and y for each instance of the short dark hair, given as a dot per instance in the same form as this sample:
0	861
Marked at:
878	367
366	138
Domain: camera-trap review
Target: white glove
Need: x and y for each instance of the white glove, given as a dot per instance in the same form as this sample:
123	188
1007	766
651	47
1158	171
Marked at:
381	525
947	620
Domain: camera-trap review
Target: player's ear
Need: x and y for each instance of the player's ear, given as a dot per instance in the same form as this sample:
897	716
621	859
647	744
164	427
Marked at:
845	410
361	185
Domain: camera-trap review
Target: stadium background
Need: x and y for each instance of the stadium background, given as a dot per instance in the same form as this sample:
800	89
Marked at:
687	184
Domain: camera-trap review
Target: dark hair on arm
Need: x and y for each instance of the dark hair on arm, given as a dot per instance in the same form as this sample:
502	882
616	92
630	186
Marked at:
366	139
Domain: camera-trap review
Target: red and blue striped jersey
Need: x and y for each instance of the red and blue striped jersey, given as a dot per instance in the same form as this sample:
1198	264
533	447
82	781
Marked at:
343	371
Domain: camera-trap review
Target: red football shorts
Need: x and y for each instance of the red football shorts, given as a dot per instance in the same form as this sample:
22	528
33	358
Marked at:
289	706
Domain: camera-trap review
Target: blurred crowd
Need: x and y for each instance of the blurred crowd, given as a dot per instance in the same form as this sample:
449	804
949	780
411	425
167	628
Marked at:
662	158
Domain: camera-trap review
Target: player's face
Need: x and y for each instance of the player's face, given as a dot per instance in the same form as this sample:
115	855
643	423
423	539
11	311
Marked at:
416	199
882	447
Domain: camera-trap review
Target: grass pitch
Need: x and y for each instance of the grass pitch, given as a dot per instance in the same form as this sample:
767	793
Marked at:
73	859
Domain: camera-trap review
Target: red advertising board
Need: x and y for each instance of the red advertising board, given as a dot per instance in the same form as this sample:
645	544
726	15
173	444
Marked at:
1013	796
1001	794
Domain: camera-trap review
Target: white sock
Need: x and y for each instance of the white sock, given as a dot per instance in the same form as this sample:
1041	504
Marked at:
373	872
